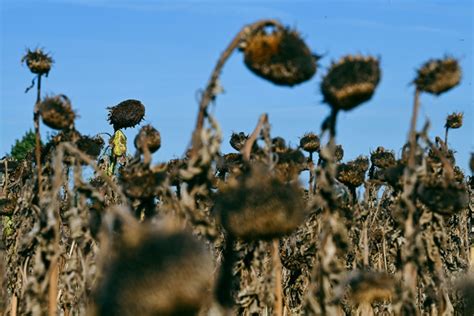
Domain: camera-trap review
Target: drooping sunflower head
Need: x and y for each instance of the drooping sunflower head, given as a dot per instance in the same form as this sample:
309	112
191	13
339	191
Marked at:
56	112
351	81
259	206
164	273
148	136
280	56
437	76
310	142
126	114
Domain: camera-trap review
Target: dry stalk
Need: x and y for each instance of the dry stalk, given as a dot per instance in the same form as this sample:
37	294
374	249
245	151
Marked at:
209	93
246	150
36	116
278	305
101	173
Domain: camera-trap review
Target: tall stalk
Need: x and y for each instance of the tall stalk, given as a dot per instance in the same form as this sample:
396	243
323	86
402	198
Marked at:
209	94
36	116
409	272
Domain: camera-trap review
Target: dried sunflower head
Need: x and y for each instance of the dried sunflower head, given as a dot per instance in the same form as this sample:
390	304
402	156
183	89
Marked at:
438	75
290	164
443	197
148	136
237	140
352	173
140	181
279	144
38	61
280	57
392	175
230	162
434	157
126	114
164	273
259	206
56	112
382	158
91	146
339	152
454	120
350	82
310	142
291	156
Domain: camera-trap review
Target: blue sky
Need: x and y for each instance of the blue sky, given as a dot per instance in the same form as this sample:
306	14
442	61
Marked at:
162	53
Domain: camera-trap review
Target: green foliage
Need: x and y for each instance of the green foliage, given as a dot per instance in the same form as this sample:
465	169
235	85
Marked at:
24	146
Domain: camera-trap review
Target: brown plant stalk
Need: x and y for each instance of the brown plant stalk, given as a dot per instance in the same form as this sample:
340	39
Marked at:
36	116
208	94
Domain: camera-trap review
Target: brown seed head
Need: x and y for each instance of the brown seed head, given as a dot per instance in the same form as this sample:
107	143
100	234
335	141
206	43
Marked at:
310	142
140	181
290	164
435	158
259	206
91	146
237	140
350	82
126	114
352	173
38	61
148	136
281	57
339	153
438	75
392	175
165	273
279	145
230	162
382	158
443	197
454	120
57	112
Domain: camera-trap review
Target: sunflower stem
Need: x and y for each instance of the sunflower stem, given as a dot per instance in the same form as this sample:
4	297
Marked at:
36	116
446	137
278	304
209	93
247	149
412	135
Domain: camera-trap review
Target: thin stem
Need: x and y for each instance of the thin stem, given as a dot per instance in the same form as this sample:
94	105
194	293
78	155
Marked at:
446	136
278	305
331	163
225	278
36	116
53	288
332	123
14	305
246	150
412	135
209	93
